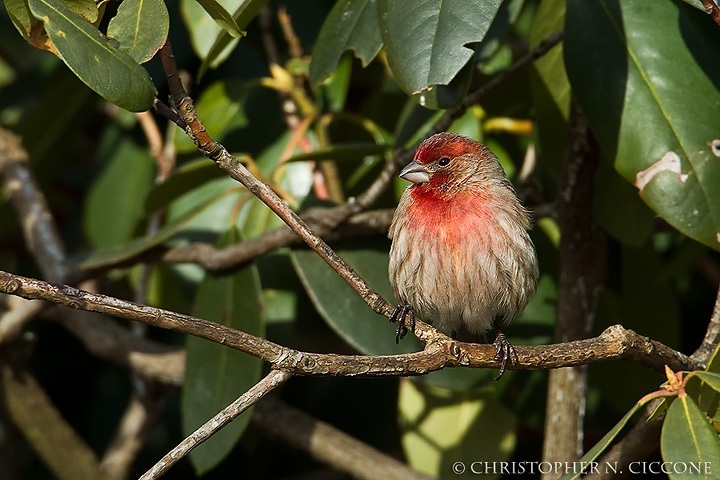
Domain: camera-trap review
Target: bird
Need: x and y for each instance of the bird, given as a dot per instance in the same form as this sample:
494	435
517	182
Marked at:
461	255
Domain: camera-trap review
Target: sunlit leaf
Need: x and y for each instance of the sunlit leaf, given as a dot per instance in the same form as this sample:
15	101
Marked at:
688	439
655	116
85	8
113	74
218	53
140	28
440	427
222	17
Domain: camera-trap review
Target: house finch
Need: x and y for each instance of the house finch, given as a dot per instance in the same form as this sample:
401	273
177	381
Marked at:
461	255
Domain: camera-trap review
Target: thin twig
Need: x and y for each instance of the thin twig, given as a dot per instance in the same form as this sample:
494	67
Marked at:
270	382
325	222
236	170
365	224
441	351
712	9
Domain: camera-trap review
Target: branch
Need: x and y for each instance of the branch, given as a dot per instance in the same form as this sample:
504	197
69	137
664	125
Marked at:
440	351
217	152
364	224
132	432
712	9
327	444
111	342
642	440
474	97
712	336
273	380
31	410
41	235
582	269
13	321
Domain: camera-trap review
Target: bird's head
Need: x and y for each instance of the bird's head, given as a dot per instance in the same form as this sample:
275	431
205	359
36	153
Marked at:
449	162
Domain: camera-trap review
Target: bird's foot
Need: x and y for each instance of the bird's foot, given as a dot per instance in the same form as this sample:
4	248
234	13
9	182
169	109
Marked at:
404	316
504	351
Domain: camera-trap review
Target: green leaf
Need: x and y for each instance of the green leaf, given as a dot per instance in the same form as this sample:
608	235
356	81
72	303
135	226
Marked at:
618	209
350	25
114	205
221	16
215	374
437	97
202	28
343	309
219	50
220	109
21	18
187	177
140	28
107	256
342	152
426	40
710	378
688	439
655	116
550	86
594	453
114	75
87	9
335	89
440	427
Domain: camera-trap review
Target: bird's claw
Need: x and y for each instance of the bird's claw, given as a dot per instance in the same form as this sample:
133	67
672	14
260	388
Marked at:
404	316
504	351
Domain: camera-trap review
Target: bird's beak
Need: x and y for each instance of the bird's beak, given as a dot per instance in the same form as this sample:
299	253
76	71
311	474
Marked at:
415	172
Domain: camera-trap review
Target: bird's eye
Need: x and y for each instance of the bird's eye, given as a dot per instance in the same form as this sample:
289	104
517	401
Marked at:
443	161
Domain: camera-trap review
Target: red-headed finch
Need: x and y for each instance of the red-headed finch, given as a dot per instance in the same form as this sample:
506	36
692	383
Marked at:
461	256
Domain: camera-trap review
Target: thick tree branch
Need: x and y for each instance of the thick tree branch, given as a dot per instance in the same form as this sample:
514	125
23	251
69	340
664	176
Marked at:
712	336
327	444
583	260
271	381
441	351
39	229
109	341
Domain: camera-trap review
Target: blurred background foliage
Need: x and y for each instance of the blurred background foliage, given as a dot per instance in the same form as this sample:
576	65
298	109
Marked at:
315	97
